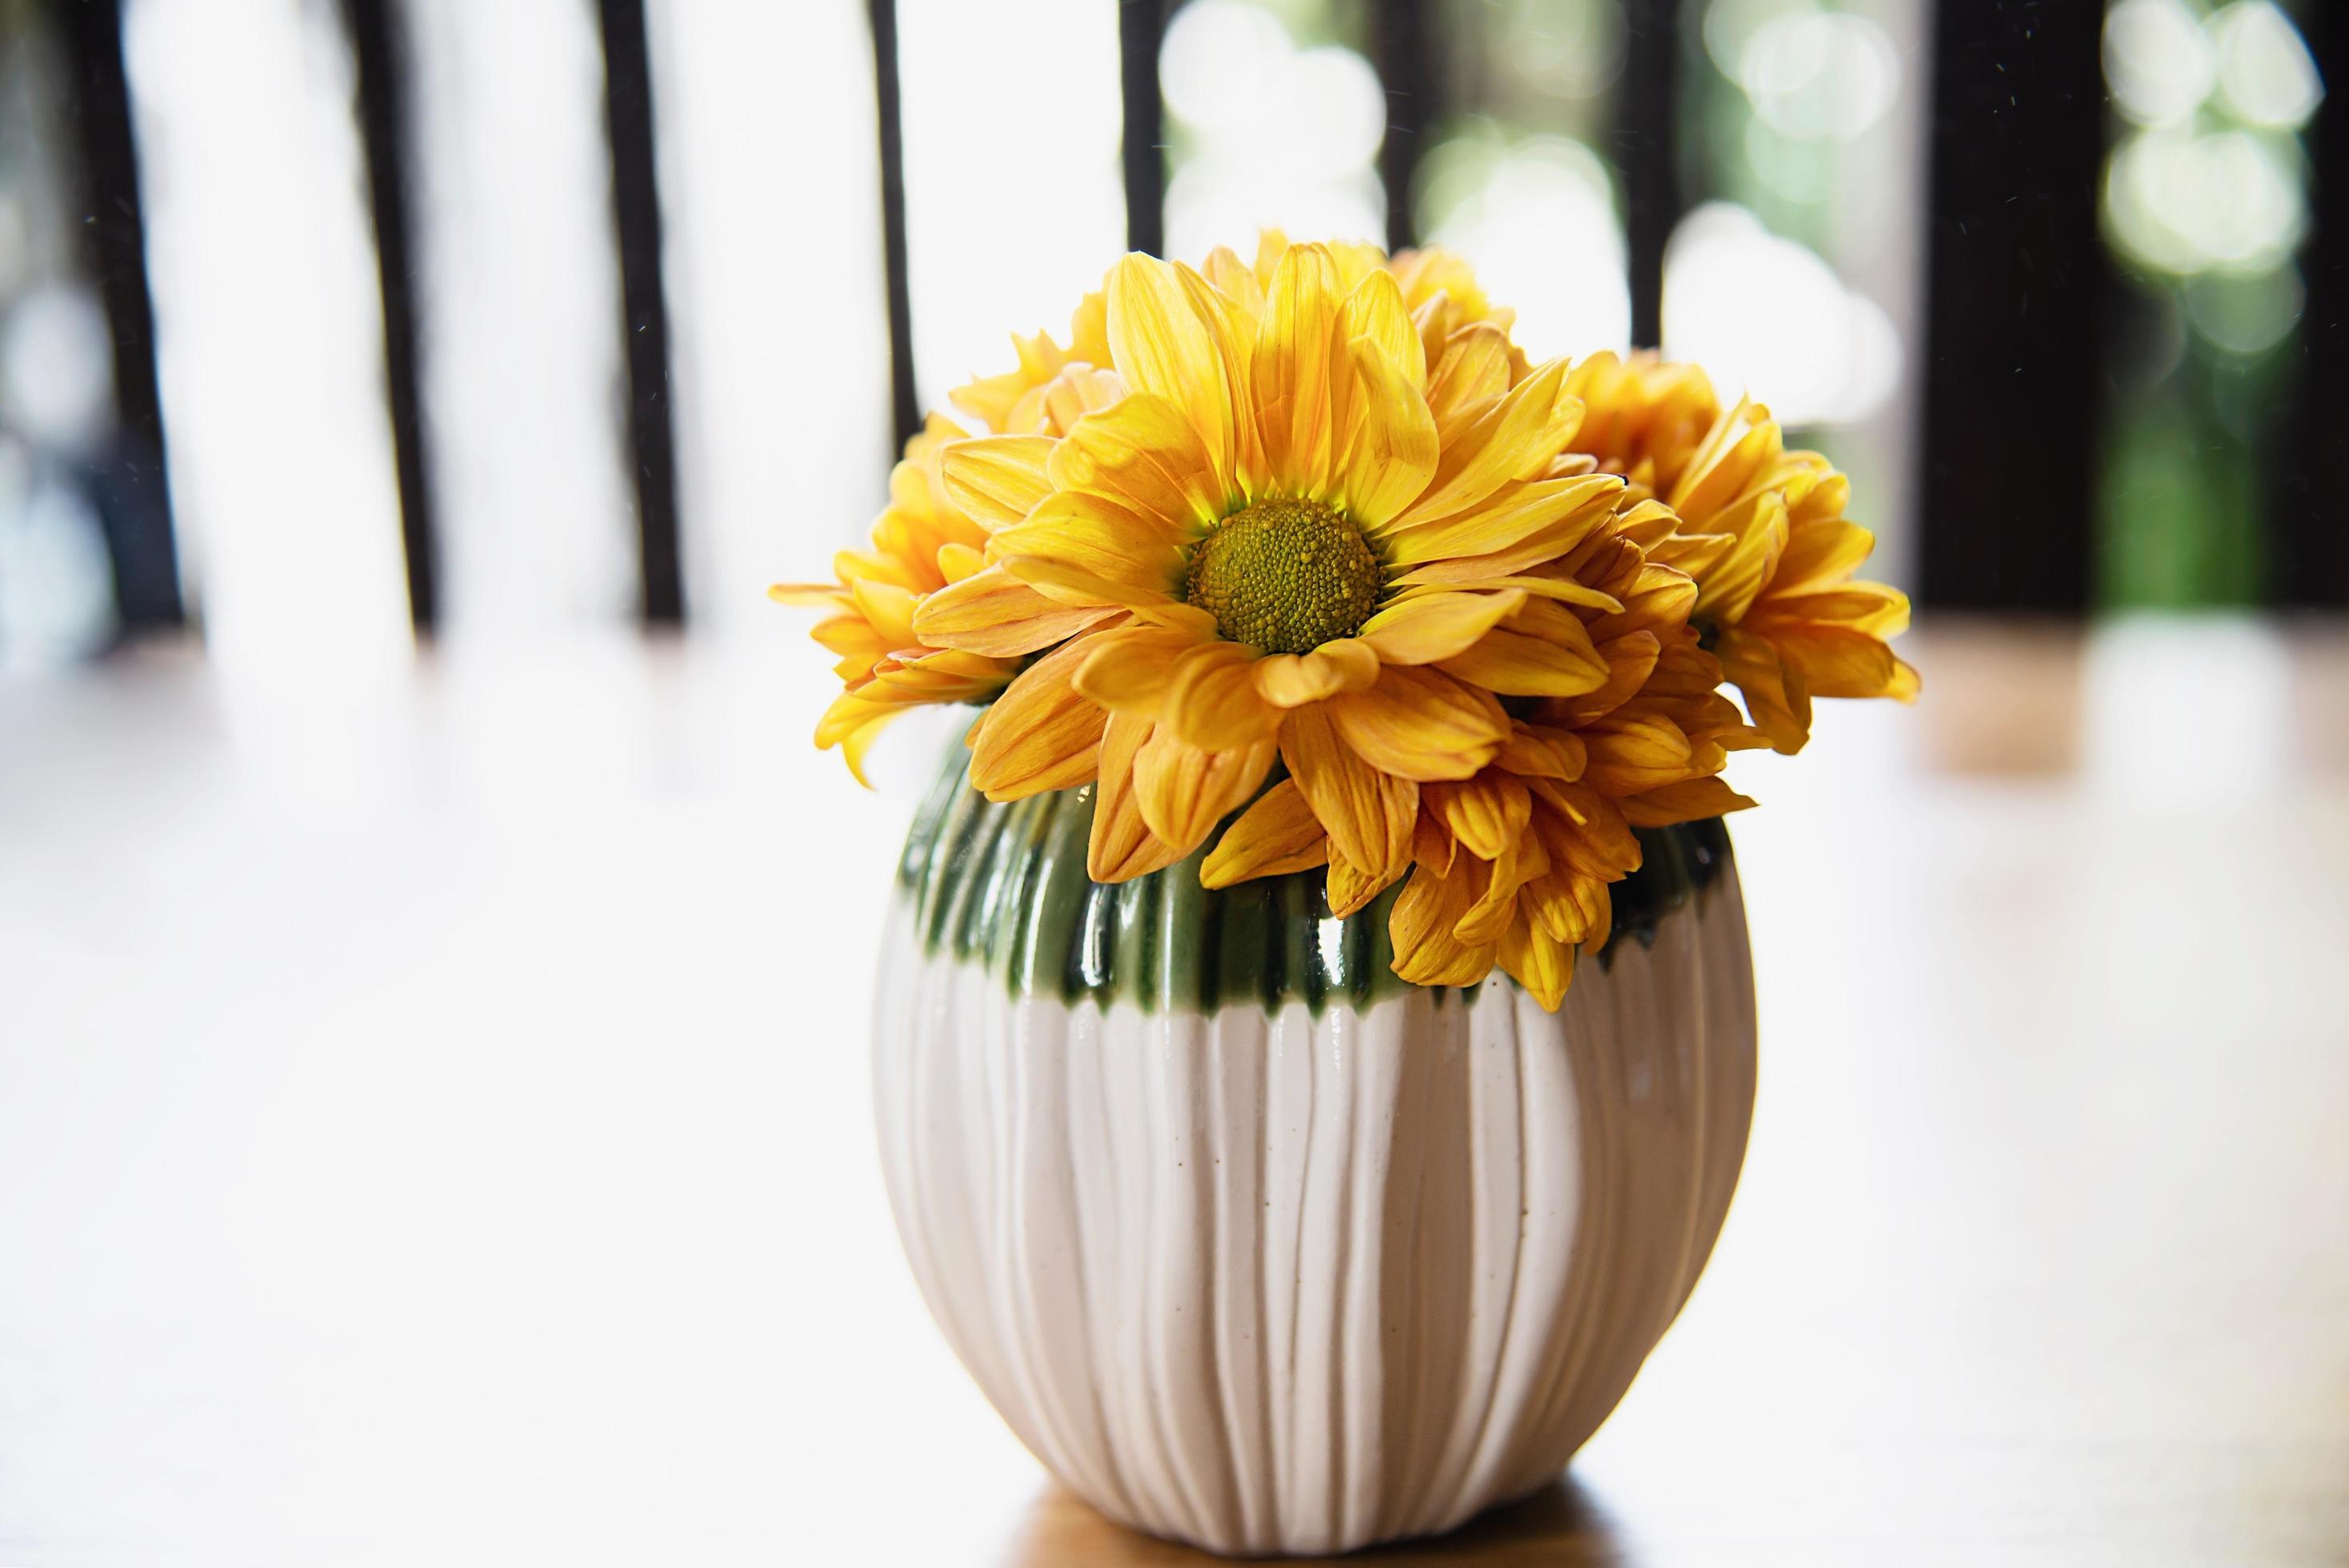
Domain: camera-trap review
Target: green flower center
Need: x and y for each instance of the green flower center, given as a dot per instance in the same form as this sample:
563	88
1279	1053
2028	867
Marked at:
1285	576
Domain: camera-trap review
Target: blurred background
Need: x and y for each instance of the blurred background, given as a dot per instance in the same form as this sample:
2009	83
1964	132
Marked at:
432	959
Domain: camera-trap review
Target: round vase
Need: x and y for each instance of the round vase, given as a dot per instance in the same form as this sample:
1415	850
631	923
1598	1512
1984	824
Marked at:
1258	1247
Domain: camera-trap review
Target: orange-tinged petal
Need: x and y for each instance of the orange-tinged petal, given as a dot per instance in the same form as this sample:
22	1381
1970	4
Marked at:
1540	751
1519	663
1042	734
1487	813
1421	925
1536	961
1368	814
1351	889
1212	700
1122	846
1292	680
1184	791
1129	669
1833	662
1633	752
1276	835
1822	553
1419	724
1690	800
1421	631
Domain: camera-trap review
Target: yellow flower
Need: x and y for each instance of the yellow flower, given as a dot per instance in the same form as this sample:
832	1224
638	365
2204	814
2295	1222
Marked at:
1513	862
1762	530
921	542
1309	539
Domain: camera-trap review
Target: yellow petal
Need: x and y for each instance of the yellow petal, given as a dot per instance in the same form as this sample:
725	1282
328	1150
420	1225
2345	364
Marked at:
1042	733
1538	962
1421	926
1487	814
1129	669
1419	724
1144	452
1375	311
1514	439
1184	791
1368	814
1422	631
1212	700
1163	346
1518	663
1349	889
890	609
1760	524
1292	680
1468	379
1833	662
1123	846
1631	752
1394	448
1541	751
1293	370
1821	553
994	480
1096	535
995	614
1508	516
1276	835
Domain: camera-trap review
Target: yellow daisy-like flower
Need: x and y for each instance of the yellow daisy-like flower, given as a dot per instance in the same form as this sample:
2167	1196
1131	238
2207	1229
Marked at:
921	542
1309	540
1513	862
1763	532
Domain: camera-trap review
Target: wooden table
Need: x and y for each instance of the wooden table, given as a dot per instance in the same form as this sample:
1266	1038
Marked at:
434	1130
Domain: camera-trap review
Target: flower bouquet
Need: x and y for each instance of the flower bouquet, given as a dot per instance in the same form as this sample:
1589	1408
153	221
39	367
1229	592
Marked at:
1315	1040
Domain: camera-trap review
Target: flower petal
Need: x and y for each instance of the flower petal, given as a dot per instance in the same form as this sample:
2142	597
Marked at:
1369	815
1420	928
1514	439
1419	724
1129	669
1537	961
1424	630
1293	368
995	614
1144	452
1212	700
1690	800
1184	791
1161	345
1292	680
1394	448
994	480
1279	834
1123	847
1042	734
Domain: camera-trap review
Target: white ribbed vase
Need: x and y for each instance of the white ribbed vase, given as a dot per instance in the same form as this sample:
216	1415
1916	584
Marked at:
1255	1246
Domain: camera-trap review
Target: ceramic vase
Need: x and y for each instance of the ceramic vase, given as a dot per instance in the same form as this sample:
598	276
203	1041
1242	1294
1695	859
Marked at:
1257	1246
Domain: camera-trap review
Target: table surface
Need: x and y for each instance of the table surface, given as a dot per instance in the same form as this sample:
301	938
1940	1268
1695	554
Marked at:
434	1129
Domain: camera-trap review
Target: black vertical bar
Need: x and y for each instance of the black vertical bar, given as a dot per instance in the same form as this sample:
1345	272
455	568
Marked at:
1141	28
1647	153
2016	286
903	399
636	206
380	50
1404	41
138	512
2311	508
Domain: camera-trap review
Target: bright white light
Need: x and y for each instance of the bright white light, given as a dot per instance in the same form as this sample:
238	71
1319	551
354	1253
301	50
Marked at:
1730	26
56	375
1766	314
1215	65
269	337
1538	220
781	337
2185	203
2158	62
1280	137
1015	205
522	375
1820	77
2265	74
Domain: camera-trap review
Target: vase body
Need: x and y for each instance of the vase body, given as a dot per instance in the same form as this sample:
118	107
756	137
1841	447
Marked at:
1257	1247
